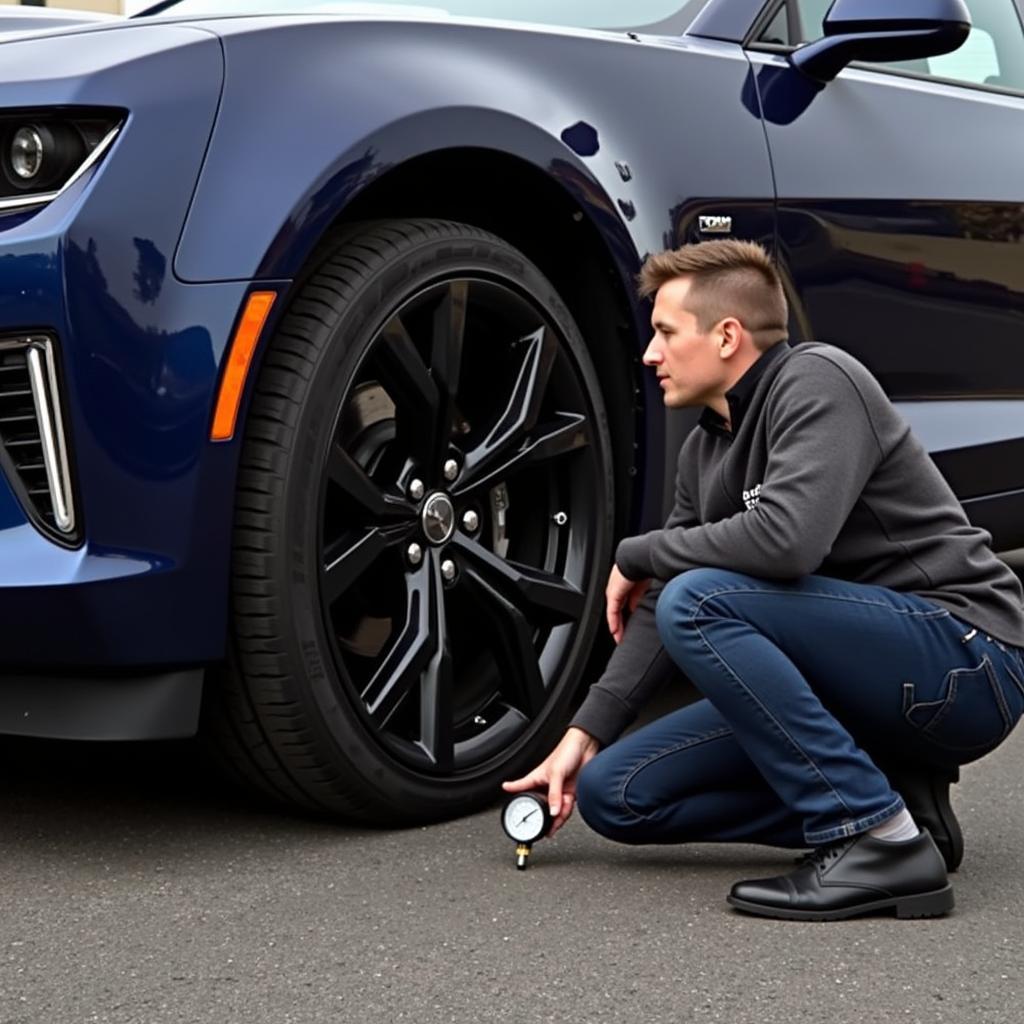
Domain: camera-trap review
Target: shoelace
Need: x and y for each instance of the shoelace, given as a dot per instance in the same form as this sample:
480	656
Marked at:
822	856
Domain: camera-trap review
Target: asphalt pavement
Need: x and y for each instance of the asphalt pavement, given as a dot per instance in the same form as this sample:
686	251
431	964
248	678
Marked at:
134	890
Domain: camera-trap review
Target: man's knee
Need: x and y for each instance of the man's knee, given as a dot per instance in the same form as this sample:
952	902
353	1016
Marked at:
681	598
599	799
699	594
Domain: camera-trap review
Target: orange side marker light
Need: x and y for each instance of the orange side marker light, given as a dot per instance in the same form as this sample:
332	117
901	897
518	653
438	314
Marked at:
257	307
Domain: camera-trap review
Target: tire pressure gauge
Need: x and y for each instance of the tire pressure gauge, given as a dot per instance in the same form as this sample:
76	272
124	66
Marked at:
525	819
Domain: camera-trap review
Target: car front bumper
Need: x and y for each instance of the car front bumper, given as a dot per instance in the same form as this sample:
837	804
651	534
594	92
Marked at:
142	585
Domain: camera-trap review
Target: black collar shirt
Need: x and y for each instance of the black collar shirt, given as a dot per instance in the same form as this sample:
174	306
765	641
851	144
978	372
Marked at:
739	395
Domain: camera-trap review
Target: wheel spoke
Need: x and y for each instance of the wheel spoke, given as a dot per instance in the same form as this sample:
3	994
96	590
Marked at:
567	433
399	673
524	405
354	481
520	671
437	689
446	352
411	387
346	562
346	559
541	592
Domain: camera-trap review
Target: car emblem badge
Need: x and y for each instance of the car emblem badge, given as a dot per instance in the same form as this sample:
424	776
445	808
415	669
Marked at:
715	225
438	518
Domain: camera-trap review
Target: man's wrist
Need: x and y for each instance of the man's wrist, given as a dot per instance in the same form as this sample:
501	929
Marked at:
584	738
625	575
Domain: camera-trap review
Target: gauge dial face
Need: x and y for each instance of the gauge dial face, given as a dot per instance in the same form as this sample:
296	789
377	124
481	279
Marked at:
525	818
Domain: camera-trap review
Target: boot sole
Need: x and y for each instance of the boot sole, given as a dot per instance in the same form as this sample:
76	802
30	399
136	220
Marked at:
925	904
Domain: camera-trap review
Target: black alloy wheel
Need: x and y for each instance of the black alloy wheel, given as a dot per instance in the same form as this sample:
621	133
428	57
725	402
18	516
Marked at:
423	528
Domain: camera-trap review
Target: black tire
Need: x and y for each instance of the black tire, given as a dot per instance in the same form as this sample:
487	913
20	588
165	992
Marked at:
319	709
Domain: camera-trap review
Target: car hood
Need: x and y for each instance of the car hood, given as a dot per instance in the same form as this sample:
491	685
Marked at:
17	23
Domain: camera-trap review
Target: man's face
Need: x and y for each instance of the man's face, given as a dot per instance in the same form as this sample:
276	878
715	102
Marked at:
688	363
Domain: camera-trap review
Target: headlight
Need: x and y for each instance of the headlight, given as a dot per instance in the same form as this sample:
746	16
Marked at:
41	154
27	153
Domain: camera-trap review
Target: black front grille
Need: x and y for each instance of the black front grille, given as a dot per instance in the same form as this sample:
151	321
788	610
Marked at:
20	434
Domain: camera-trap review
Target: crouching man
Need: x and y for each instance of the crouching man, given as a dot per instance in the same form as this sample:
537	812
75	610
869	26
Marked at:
853	637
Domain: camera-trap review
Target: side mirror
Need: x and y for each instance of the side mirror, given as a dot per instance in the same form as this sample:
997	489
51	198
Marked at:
881	30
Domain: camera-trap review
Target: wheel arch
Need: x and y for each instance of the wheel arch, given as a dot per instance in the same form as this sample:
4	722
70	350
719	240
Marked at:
589	265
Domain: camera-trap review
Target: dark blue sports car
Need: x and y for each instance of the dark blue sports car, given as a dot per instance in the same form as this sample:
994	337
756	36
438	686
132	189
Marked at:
320	395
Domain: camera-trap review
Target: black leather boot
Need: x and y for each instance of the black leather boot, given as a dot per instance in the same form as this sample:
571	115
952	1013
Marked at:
855	876
925	791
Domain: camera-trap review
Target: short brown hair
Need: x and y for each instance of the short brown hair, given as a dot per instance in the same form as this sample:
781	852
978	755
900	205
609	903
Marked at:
729	278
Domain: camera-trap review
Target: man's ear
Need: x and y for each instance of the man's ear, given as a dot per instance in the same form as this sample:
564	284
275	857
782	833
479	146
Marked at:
730	336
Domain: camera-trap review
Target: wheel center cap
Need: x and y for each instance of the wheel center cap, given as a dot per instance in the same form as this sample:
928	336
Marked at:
438	518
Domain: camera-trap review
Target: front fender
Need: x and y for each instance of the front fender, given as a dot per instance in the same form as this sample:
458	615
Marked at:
362	98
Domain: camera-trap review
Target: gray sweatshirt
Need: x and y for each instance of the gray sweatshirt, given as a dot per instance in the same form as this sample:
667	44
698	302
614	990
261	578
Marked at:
820	474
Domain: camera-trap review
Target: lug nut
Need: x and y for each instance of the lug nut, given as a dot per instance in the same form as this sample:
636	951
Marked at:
470	521
451	469
416	490
448	569
414	553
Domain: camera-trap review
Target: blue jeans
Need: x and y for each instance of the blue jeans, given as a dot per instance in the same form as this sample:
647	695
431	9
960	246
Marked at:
801	681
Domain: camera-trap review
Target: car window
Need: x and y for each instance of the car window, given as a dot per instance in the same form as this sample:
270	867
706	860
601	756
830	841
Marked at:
662	16
993	53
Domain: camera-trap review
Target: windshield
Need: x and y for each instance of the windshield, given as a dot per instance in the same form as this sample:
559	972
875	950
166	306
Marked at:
667	17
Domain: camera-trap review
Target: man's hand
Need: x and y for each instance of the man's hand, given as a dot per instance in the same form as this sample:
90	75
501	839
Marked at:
558	773
619	592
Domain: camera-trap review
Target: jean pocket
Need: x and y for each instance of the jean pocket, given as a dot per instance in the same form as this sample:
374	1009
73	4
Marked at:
1017	676
970	714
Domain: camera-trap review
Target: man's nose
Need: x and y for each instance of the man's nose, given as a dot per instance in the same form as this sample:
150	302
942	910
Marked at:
652	354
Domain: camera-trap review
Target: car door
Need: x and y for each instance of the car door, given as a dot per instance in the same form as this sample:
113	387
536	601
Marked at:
900	228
